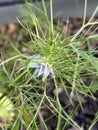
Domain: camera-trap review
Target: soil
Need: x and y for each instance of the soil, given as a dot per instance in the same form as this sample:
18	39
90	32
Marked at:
83	116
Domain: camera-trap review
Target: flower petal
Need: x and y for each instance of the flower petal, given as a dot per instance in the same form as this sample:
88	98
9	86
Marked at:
33	65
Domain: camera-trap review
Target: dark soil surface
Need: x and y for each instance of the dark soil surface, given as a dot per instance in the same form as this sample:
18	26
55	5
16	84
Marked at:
83	116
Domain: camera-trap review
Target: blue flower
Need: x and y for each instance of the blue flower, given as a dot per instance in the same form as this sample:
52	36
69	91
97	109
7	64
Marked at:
41	68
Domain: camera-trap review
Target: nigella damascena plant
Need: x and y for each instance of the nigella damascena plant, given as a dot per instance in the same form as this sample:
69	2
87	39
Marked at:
40	68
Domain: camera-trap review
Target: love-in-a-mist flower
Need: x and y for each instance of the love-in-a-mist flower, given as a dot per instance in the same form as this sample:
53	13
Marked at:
40	68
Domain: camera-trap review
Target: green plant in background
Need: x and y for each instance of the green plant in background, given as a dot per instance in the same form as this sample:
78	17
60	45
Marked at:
6	111
52	56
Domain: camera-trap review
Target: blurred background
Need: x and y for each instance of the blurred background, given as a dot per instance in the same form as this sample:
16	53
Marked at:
9	9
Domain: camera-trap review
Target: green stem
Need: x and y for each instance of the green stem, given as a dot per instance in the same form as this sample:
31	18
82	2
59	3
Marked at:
74	77
51	14
85	11
58	105
84	26
20	76
12	58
